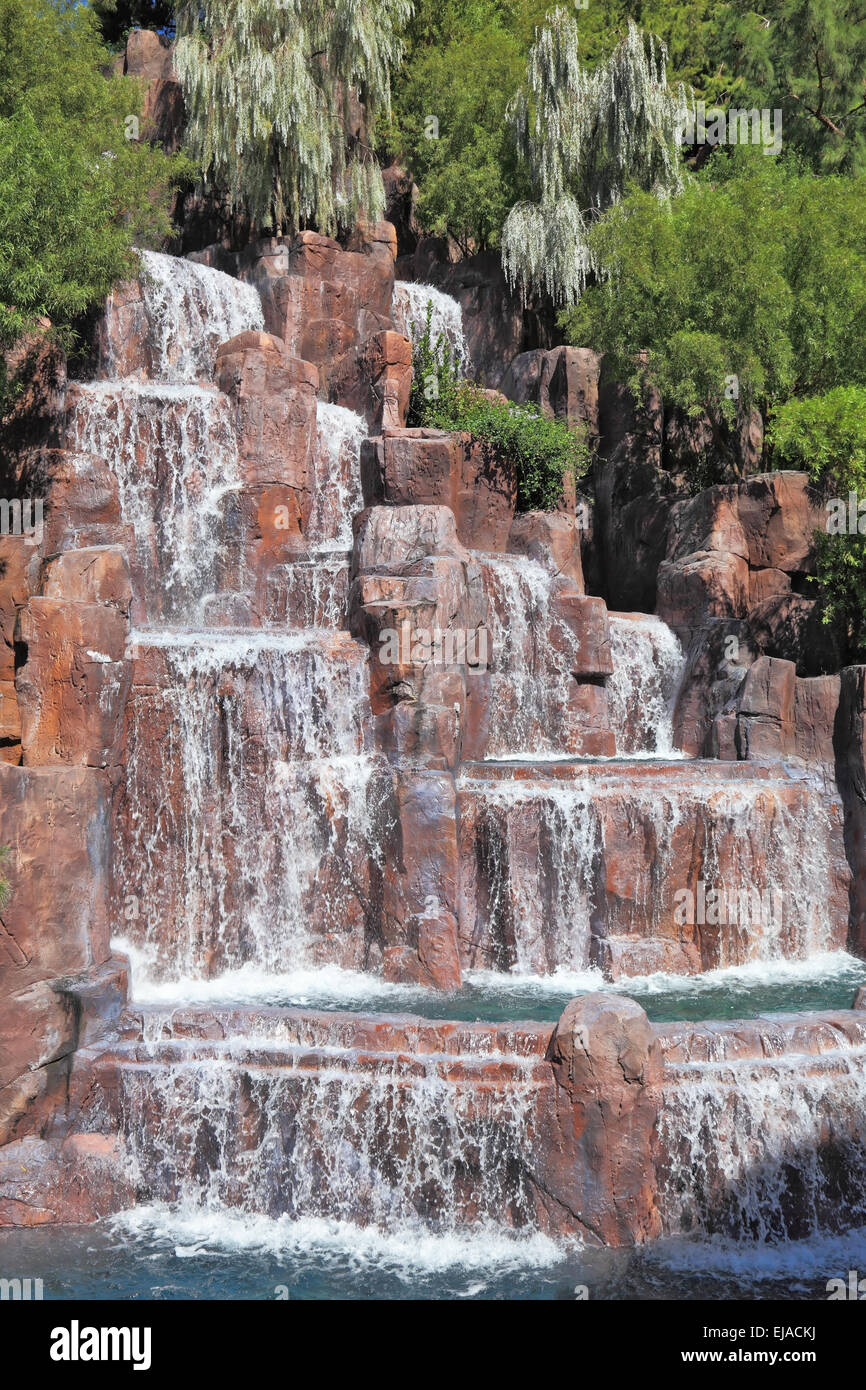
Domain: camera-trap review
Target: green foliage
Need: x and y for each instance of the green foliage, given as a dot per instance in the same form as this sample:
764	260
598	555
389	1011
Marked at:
465	164
545	452
75	194
4	882
585	136
268	86
757	271
826	435
807	58
117	17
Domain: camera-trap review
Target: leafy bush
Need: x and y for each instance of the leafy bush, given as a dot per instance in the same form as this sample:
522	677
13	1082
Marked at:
545	452
826	435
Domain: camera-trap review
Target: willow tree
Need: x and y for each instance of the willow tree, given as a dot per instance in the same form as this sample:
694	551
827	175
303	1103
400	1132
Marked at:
585	136
269	87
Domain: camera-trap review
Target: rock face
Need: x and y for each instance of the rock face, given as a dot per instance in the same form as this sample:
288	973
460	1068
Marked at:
432	467
563	382
332	307
738	557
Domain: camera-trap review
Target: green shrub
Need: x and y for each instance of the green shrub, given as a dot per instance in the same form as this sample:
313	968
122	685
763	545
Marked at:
826	436
545	452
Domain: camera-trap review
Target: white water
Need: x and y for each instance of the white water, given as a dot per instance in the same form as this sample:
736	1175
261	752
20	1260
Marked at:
307	1141
336	480
173	450
410	315
532	654
648	664
191	309
541	854
766	1151
249	800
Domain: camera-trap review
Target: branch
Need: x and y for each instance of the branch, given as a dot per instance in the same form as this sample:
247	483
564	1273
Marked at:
825	120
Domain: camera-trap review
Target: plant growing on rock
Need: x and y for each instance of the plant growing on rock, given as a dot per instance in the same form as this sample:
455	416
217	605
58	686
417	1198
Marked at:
269	86
544	452
585	137
4	882
826	436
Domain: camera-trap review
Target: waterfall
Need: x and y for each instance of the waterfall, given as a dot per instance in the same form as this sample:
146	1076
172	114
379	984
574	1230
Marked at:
173	450
765	1151
648	664
531	651
191	309
410	315
288	1129
549	864
336	480
250	800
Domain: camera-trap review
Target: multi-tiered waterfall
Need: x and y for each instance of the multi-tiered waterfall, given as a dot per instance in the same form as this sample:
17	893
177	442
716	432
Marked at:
254	827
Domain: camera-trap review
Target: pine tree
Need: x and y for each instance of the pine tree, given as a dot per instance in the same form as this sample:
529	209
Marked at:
268	86
807	58
585	137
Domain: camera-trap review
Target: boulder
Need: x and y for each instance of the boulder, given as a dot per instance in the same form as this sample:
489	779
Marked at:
608	1068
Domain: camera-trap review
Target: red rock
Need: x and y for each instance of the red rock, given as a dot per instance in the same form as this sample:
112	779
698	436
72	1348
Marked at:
432	467
72	686
551	538
608	1068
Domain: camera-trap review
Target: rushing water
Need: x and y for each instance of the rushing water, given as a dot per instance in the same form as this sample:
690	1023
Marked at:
191	309
173	450
250	798
446	321
648	664
542	865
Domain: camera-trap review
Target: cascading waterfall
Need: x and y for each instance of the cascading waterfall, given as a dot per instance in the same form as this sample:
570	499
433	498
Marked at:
336	481
261	738
648	664
544	858
191	309
530	676
279	1132
173	450
410	314
765	1151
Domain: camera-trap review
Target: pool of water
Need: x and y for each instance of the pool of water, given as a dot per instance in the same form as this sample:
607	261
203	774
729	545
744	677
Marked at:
154	1253
823	982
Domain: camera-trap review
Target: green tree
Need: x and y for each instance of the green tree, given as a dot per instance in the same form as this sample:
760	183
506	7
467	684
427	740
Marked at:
585	136
749	287
268	85
4	882
807	58
75	193
450	131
